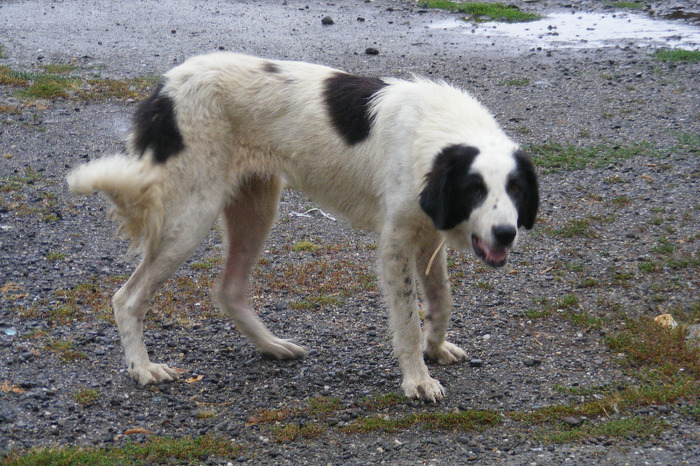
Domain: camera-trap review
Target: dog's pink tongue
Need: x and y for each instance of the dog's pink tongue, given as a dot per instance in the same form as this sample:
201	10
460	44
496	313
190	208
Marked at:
493	255
496	255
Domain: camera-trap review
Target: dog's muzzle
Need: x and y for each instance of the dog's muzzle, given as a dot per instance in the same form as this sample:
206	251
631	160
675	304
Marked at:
498	255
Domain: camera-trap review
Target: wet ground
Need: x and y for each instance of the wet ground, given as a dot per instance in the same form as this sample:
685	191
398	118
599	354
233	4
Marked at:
589	80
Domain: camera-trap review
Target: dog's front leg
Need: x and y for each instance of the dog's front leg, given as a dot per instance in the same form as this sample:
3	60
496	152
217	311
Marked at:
436	288
397	269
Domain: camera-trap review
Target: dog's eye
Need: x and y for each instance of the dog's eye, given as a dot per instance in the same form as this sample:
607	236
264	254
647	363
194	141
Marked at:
476	190
513	188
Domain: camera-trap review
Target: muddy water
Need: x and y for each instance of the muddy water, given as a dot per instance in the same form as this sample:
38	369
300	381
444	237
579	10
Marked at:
586	30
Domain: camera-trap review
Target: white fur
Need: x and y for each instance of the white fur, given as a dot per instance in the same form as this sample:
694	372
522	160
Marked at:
245	130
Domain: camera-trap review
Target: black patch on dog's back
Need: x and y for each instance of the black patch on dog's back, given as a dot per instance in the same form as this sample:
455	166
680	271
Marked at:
348	100
270	67
451	193
523	190
155	127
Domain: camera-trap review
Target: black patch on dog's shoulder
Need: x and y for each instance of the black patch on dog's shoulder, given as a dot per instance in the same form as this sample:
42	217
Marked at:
155	127
269	67
451	192
348	100
523	189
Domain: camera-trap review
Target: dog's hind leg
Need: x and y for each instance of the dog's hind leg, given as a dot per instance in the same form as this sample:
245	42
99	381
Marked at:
248	218
436	288
179	237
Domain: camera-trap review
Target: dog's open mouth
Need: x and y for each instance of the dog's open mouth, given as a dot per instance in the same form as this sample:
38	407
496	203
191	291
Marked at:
495	257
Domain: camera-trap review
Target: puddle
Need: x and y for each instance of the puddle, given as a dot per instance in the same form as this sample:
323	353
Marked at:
587	30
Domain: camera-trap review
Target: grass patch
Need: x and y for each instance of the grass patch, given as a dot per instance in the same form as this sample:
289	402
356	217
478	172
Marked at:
157	450
648	266
100	89
554	156
59	81
574	228
382	401
65	349
315	301
49	86
480	12
86	396
305	246
516	82
18	181
55	256
636	427
664	247
649	345
468	420
289	432
323	282
677	55
626	5
206	264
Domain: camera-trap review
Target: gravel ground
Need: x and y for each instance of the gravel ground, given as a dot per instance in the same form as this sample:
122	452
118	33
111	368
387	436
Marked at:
598	228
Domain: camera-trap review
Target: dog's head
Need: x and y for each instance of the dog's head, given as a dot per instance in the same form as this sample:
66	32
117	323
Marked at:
481	198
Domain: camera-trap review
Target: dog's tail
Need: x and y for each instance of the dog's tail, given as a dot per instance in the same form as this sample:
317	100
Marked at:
133	187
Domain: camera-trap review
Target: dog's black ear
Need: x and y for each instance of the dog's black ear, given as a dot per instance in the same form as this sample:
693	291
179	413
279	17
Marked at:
528	196
451	192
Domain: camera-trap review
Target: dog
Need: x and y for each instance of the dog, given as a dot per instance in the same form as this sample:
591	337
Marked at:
420	163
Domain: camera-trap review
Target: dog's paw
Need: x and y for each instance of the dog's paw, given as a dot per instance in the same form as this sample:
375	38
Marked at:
427	390
153	374
446	353
282	349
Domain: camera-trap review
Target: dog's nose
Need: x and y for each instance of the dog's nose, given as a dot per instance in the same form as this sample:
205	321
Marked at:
504	234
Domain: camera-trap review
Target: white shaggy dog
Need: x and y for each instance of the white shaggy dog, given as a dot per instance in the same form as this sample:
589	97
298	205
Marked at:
418	162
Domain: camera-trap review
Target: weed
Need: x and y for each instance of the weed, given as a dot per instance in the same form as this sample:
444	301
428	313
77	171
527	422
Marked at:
537	313
86	396
65	349
13	78
321	406
679	264
577	227
316	301
49	86
485	11
100	89
624	428
589	282
305	246
465	420
485	286
206	264
647	344
18	181
290	432
555	156
626	5
59	68
664	247
55	256
678	55
647	266
157	450
516	82
205	414
382	401
621	201
567	302
583	319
